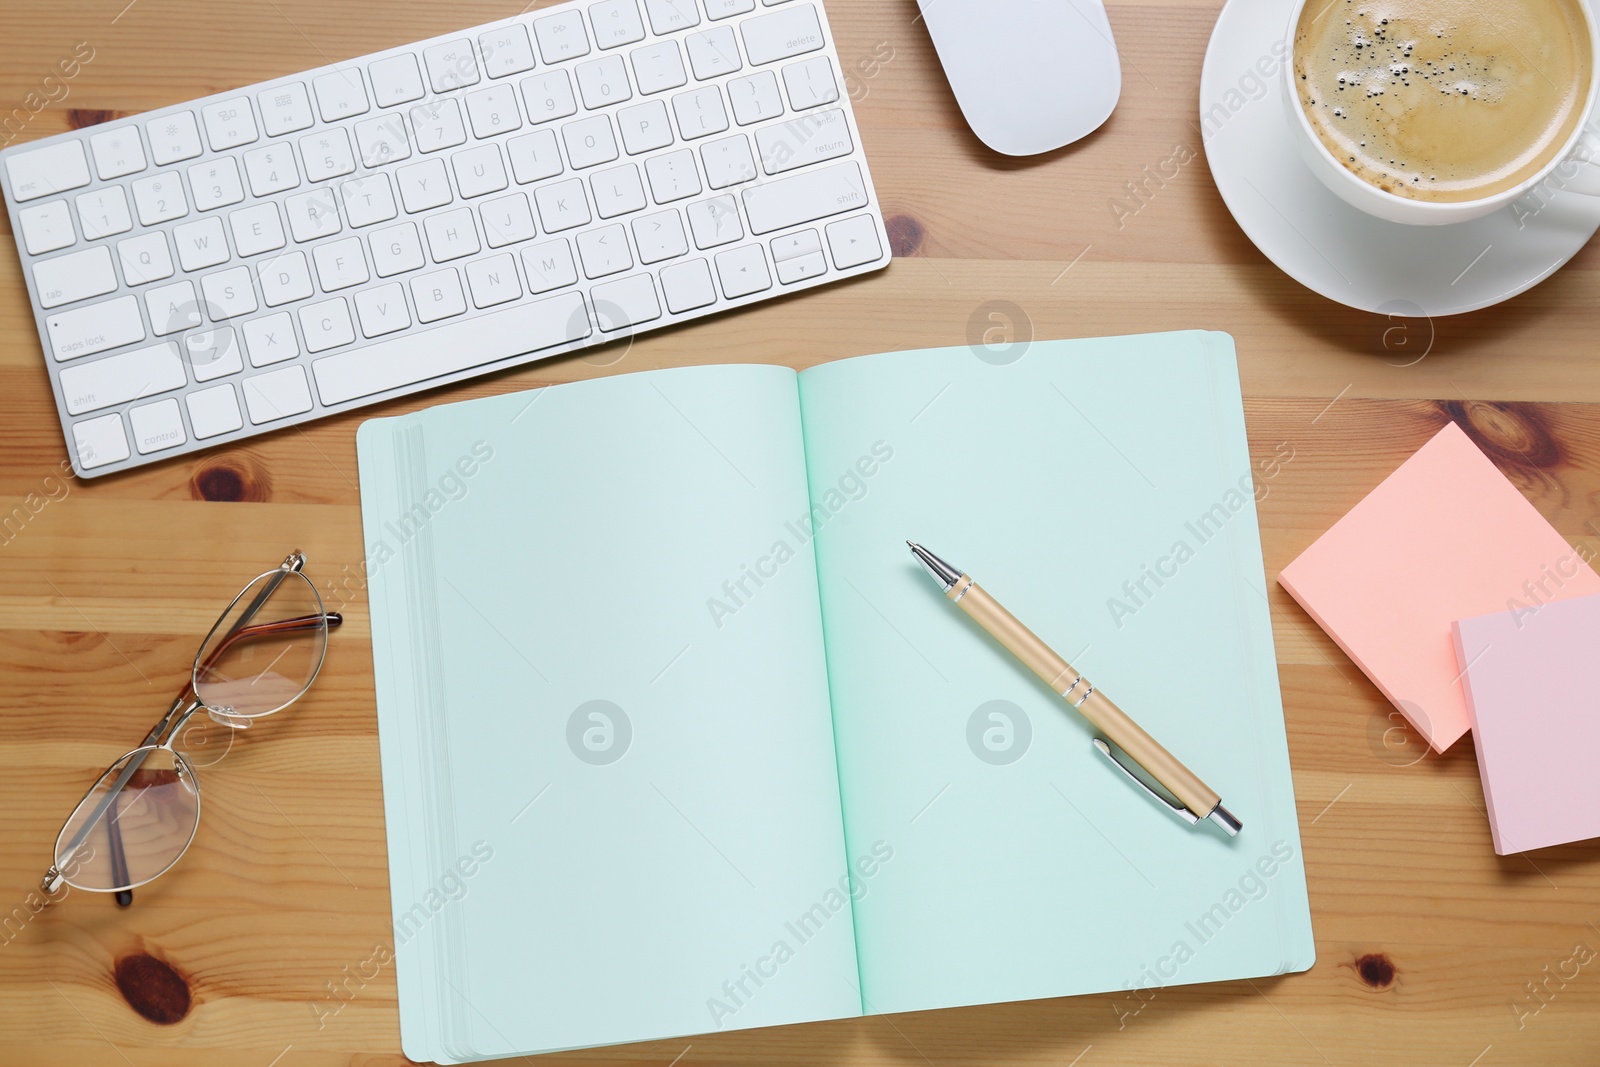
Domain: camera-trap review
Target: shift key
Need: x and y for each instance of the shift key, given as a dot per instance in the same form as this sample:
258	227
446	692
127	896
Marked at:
813	195
86	330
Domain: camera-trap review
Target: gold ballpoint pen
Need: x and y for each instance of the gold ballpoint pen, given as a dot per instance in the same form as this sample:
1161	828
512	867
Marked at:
1196	799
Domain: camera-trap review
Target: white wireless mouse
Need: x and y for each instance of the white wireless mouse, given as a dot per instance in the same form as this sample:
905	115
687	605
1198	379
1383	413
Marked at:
1030	75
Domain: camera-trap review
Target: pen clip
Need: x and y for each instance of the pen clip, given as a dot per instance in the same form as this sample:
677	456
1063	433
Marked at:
1177	809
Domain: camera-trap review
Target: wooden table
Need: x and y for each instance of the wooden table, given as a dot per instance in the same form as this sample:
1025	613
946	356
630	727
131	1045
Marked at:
1427	942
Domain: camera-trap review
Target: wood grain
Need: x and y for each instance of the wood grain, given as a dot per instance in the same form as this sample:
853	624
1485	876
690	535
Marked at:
1428	943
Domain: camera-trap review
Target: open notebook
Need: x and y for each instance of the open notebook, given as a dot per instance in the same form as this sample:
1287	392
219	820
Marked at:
677	737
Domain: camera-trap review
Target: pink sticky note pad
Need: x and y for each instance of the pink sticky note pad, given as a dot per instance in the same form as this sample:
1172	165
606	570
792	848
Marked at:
1533	694
1444	537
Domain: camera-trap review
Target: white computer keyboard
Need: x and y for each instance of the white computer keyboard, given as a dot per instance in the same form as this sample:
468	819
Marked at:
260	258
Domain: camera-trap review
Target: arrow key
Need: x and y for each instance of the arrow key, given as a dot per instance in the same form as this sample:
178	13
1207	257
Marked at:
743	271
854	241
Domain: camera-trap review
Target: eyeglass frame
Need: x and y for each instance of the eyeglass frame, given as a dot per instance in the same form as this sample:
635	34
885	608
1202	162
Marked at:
178	715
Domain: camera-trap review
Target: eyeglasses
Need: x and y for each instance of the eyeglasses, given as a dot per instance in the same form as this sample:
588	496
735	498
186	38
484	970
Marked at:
140	817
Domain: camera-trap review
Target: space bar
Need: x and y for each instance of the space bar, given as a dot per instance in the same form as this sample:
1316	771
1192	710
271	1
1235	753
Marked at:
424	354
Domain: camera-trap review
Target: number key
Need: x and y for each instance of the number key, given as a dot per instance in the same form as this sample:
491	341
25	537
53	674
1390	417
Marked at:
159	198
216	183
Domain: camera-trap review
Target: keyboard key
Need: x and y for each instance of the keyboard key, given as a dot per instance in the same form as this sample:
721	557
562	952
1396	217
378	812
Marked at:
451	65
212	354
493	281
801	268
277	394
507	220
74	276
853	242
561	205
118	379
396	249
721	9
285	109
95	328
313	214
645	127
340	264
424	185
549	266
700	112
173	138
800	142
658	66
382	140
617	191
603	81
48	227
589	141
368	200
669	15
285	279
229	124
604	251
810	83
173	308
270	340
534	156
438	125
713	52
451	235
327	154
340	95
216	183
549	96
214	411
399	361
117	152
159	198
157	426
396	80
201	244
43	171
743	271
271	169
794	245
326	325
791	32
100	441
616	22
659	236
755	98
479	171
672	176
506	50
728	161
382	310
493	110
438	295
625	302
715	222
104	212
687	286
145	258
561	36
806	197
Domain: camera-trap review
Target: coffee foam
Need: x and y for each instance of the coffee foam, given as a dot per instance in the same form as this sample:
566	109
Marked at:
1446	100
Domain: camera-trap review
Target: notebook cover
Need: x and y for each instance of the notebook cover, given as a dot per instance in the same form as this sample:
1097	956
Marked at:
1531	680
1444	537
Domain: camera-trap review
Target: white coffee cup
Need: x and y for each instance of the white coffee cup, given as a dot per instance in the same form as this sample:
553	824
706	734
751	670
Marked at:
1576	168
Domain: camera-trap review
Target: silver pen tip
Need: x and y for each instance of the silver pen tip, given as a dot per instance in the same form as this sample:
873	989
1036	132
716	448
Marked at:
1224	818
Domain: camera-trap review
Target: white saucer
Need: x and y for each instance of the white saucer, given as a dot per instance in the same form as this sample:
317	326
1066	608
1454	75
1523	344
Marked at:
1329	246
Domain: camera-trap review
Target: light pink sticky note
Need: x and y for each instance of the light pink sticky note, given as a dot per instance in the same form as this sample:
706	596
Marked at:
1533	694
1444	537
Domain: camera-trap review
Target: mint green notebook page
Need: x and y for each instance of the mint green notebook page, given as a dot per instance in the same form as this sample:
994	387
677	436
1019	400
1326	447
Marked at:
646	853
1024	865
